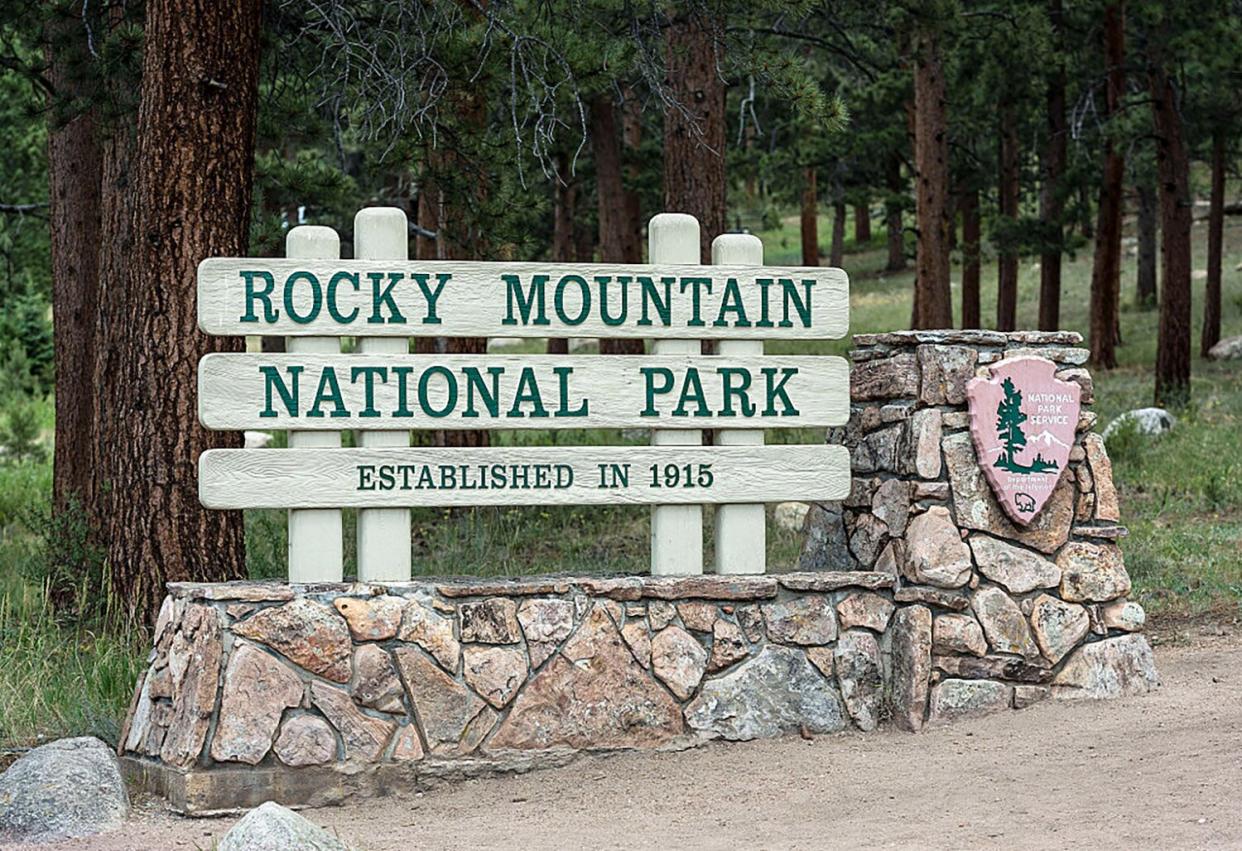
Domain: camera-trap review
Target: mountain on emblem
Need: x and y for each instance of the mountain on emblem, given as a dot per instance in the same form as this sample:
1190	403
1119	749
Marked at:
1023	420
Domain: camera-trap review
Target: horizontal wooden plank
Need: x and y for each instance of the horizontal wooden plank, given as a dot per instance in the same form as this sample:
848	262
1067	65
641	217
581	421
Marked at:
316	392
537	475
450	298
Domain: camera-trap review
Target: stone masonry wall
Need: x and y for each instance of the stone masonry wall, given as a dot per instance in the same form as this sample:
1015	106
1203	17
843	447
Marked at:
323	692
1010	615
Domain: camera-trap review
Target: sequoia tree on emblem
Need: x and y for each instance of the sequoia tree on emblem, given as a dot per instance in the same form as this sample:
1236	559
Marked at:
1023	419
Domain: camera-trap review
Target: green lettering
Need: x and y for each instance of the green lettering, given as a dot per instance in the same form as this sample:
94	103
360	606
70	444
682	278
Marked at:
562	378
369	374
384	296
692	392
264	295
727	374
288	397
431	295
491	397
803	307
558	300
732	303
696	318
328	391
333	310
534	298
528	393
651	298
777	388
424	398
316	298
650	373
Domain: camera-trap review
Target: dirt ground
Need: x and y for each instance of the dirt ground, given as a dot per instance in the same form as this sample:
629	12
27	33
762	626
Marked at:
1159	771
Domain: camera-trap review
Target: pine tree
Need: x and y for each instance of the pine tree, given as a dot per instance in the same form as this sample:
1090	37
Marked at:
1009	420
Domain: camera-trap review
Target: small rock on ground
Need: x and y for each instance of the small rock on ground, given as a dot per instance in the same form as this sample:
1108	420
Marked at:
1143	421
271	827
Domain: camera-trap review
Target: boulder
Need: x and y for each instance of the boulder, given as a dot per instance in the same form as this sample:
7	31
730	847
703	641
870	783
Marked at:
271	827
616	704
862	608
1002	622
911	637
776	692
1123	614
1019	570
1092	573
678	660
1058	626
856	662
68	789
953	633
309	634
1152	421
935	552
954	699
802	620
1110	668
1229	348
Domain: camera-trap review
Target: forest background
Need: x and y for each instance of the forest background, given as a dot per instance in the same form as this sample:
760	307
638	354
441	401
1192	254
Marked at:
1053	164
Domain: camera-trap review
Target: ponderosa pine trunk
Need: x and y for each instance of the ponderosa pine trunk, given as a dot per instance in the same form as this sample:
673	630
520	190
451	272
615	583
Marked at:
836	248
1173	167
1148	218
1106	270
862	224
892	216
810	217
615	227
189	198
932	299
75	172
1051	198
1210	335
694	128
564	203
632	136
971	234
1009	189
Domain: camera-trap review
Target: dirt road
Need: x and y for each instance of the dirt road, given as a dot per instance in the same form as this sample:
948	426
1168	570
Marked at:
1160	771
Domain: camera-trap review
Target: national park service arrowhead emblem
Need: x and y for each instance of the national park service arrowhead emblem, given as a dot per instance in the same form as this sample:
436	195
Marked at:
1023	419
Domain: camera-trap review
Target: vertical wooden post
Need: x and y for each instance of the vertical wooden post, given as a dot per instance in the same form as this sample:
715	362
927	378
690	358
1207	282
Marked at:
315	551
741	530
382	233
676	530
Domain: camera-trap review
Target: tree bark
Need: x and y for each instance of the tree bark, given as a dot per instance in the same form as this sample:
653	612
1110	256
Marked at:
810	218
892	217
1173	166
75	172
1009	186
971	233
425	248
1106	271
1148	216
862	224
564	250
932	300
836	250
616	230
188	198
1216	230
694	129
1051	198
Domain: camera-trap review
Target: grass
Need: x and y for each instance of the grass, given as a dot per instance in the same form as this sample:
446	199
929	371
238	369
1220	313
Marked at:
1181	497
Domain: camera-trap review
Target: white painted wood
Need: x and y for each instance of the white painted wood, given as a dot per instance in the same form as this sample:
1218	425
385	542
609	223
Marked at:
233	391
474	300
316	551
382	233
676	530
310	478
741	530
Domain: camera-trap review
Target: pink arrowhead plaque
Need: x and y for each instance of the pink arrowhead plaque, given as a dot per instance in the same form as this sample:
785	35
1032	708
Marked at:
1023	421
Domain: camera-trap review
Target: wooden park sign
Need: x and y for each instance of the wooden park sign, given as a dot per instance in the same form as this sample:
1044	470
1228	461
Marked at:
382	299
1023	419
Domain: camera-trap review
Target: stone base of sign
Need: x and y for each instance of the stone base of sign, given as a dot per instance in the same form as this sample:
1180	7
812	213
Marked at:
316	694
1013	614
